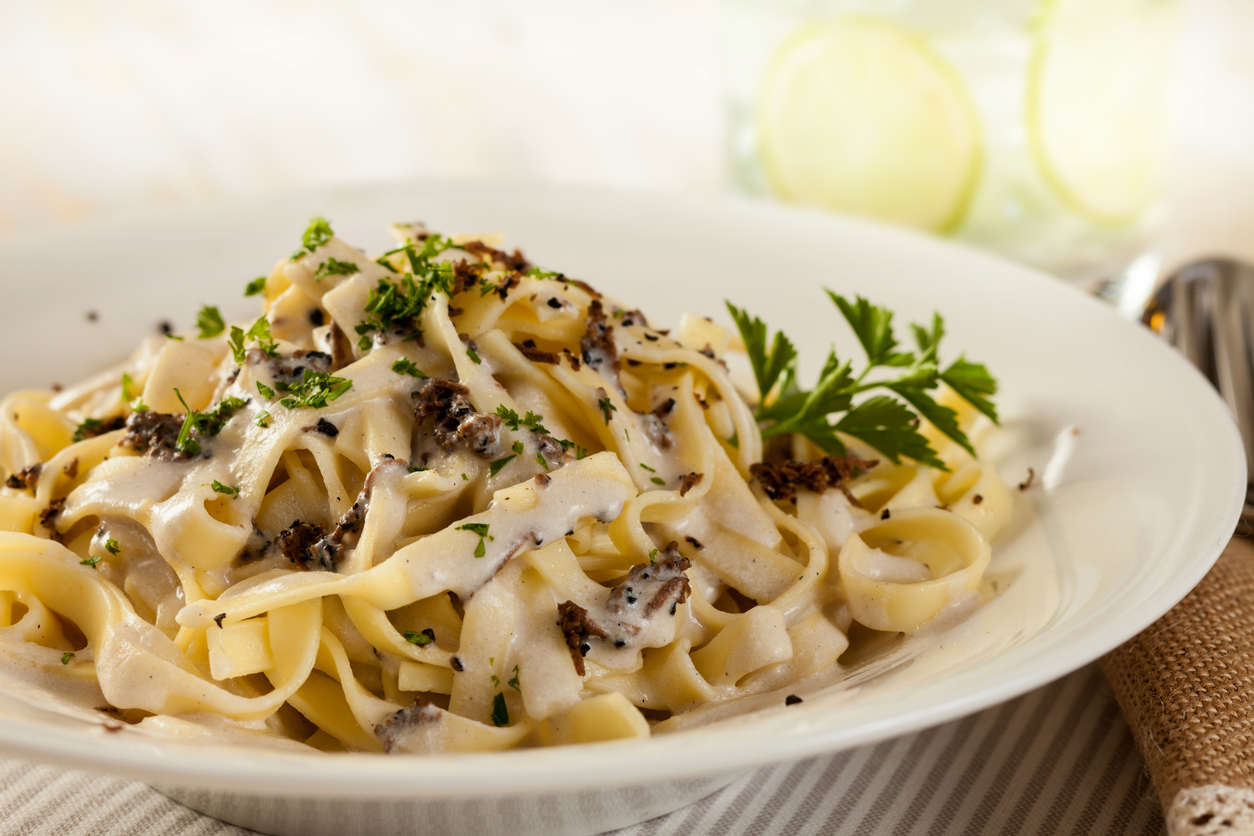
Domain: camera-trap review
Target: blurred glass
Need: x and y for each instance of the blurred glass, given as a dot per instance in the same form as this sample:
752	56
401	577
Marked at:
1036	128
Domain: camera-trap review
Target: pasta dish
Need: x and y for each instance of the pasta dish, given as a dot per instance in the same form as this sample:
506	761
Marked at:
444	500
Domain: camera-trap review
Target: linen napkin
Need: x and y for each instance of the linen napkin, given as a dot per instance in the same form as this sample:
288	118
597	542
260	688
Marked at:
1186	687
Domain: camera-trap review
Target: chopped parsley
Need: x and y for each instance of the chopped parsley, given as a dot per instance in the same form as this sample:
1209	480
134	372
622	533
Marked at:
473	355
91	561
397	304
255	287
567	444
513	683
266	391
652	555
112	547
204	424
260	331
658	480
90	428
315	389
494	467
419	639
537	273
335	267
262	420
229	490
209	322
646	467
406	366
66	657
607	406
316	234
885	421
482	530
500	712
530	420
127	383
540	460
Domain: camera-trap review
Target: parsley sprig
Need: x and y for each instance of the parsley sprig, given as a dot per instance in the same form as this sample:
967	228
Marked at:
531	421
884	421
316	234
209	321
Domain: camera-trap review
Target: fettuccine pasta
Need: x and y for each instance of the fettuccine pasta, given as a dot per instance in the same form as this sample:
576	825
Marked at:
445	501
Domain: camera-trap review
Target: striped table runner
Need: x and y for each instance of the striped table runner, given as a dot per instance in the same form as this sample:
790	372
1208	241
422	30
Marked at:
1059	760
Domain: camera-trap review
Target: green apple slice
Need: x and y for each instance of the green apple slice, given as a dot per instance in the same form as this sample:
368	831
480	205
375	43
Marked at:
1097	115
865	117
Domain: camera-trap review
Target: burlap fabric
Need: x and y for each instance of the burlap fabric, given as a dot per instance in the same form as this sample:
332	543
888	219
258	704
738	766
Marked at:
1186	686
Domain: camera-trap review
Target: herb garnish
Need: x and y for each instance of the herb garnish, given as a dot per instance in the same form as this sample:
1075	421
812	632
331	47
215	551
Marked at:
567	444
406	366
416	638
473	355
316	234
89	428
513	683
112	547
315	389
335	267
127	383
494	467
260	331
262	419
882	421
209	321
266	391
91	561
229	490
482	530
204	423
530	420
66	657
396	304
500	712
255	287
607	406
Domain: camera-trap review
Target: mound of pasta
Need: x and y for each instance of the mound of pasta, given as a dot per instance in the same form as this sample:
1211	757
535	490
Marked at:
445	501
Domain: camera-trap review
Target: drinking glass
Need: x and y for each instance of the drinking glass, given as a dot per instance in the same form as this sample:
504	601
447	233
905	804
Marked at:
1036	128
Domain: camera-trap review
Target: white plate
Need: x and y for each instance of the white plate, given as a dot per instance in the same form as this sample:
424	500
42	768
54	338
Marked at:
1139	469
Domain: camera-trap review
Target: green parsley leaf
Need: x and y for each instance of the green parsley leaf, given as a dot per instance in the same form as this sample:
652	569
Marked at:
873	326
315	389
419	639
500	712
262	420
540	460
767	365
406	366
530	420
473	355
260	332
316	234
658	480
90	428
646	467
229	490
112	547
477	528
607	406
335	267
66	657
513	683
494	466
209	321
91	561
652	555
255	287
204	424
973	384
567	444
127	383
174	337
734	441
889	427
266	391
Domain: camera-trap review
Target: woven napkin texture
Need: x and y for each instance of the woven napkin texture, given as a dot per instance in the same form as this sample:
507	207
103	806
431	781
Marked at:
1186	687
